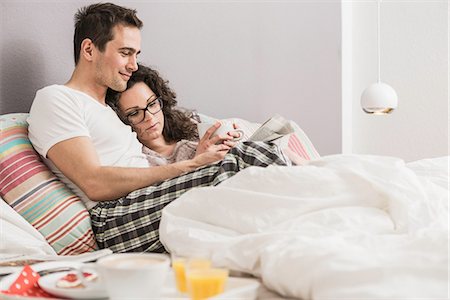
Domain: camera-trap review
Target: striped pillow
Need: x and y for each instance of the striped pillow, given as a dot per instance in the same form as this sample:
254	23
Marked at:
32	190
297	143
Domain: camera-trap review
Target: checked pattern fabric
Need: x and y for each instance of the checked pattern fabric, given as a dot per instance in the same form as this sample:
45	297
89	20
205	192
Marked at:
131	223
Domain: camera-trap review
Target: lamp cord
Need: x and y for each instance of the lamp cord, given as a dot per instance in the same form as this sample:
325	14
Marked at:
378	40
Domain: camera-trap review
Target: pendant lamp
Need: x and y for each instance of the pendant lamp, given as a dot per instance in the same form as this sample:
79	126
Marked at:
379	98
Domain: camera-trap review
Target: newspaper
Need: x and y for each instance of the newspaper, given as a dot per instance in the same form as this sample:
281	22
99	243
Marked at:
10	263
273	129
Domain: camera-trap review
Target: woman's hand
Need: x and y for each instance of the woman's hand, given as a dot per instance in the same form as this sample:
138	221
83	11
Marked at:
235	134
216	143
209	157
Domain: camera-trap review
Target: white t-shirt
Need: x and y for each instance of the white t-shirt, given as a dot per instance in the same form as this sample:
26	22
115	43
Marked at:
59	113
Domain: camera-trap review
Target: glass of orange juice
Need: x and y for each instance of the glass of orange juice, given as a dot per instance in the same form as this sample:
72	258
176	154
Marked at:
181	264
205	283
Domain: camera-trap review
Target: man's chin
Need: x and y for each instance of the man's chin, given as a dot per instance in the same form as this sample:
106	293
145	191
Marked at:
119	87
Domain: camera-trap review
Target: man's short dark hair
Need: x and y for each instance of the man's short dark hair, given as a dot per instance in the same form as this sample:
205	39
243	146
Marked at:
97	21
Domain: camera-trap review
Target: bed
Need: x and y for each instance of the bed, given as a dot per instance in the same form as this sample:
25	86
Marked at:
341	227
338	227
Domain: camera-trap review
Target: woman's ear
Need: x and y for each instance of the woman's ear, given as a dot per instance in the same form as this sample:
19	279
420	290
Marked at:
87	49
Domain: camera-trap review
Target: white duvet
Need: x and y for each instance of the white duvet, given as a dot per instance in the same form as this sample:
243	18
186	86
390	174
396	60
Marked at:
18	237
360	227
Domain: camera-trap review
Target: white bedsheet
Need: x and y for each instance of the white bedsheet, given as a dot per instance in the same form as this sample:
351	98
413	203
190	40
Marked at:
341	227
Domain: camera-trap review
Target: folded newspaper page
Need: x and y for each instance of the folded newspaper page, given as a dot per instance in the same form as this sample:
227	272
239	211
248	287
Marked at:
13	263
274	128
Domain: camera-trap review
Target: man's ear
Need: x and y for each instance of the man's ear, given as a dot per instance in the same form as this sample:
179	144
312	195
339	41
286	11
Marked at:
87	49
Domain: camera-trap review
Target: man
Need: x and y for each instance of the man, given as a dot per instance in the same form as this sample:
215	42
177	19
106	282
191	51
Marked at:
89	148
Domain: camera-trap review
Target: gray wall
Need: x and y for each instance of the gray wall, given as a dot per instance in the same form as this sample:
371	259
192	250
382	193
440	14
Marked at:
246	59
414	61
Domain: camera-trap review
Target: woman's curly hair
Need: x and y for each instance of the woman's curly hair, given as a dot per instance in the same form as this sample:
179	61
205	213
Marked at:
178	125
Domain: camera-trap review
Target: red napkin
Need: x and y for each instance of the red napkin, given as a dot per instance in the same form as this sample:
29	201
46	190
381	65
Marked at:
27	285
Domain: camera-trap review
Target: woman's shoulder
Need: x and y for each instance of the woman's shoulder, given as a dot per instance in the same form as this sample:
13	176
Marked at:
184	150
186	144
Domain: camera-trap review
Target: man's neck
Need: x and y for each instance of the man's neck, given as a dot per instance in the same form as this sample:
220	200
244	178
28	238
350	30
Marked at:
82	82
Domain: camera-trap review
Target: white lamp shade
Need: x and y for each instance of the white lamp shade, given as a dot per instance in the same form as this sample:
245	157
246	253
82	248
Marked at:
379	98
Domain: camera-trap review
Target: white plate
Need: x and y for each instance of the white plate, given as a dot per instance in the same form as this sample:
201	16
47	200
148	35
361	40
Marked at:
236	288
96	290
6	281
48	284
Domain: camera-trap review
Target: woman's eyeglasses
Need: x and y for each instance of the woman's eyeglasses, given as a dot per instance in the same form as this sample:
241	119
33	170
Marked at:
137	116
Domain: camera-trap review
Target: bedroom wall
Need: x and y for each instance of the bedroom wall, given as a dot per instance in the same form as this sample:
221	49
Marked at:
246	59
414	61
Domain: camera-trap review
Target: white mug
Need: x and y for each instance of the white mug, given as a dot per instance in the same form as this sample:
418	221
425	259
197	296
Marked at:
221	131
134	275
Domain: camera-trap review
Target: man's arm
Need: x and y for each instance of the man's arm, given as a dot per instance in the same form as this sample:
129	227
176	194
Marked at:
77	159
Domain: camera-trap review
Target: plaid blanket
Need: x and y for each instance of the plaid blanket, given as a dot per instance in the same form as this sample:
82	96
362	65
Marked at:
131	223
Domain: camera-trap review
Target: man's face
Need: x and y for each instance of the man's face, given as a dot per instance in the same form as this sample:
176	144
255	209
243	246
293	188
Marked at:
118	61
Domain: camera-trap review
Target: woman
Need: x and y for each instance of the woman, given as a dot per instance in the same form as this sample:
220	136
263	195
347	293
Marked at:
168	134
148	104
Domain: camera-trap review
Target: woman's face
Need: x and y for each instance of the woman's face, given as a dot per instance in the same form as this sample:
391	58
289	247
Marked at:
138	97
